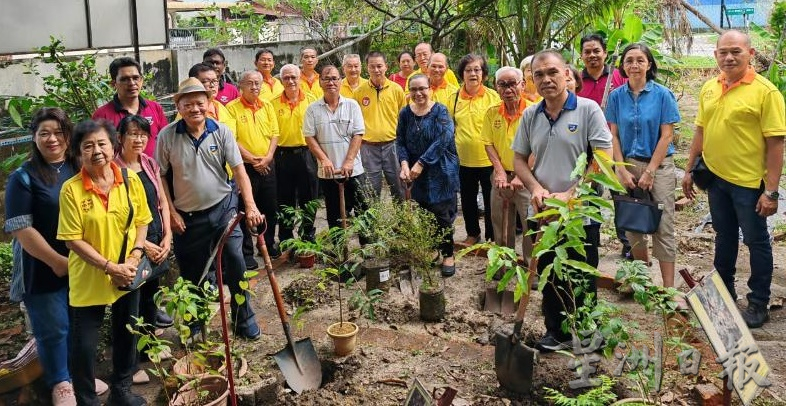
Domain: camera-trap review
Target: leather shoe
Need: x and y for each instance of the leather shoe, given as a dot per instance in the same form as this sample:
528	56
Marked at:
163	320
251	264
549	343
470	240
251	331
755	315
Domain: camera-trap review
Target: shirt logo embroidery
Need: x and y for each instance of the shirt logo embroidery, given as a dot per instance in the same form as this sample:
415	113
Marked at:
213	149
572	127
149	119
366	101
224	99
87	205
497	124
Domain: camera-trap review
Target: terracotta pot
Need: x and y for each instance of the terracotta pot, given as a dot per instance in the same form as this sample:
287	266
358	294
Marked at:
216	386
343	341
306	260
190	367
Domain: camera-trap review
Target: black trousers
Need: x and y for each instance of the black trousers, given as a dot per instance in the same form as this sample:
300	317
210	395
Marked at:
445	212
263	187
85	325
469	179
296	179
558	291
356	190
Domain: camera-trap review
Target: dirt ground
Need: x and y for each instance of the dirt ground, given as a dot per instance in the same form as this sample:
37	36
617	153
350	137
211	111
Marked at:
458	351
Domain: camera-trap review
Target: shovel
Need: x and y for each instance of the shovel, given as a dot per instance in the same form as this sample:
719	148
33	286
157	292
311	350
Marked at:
513	360
408	282
341	182
496	301
298	361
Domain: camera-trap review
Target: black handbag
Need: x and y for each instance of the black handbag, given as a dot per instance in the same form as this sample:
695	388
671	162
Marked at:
144	271
702	175
637	212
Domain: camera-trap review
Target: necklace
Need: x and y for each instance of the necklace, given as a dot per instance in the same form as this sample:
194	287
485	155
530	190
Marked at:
57	168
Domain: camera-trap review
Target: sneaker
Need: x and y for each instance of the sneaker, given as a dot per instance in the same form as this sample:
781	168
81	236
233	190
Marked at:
549	343
163	320
274	252
63	394
122	396
251	263
755	315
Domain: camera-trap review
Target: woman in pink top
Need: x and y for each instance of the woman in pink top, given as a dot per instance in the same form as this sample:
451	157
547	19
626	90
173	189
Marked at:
406	64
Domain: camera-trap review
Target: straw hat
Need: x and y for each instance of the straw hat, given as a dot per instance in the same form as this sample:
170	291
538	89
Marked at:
190	85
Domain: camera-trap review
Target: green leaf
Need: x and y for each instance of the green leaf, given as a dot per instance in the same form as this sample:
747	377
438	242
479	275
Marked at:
582	266
14	113
632	27
240	299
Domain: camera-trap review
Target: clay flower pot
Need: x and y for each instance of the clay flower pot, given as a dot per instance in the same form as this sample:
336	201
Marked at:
343	335
306	260
215	388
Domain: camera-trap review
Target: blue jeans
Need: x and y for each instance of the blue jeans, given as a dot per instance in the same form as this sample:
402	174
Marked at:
49	318
733	207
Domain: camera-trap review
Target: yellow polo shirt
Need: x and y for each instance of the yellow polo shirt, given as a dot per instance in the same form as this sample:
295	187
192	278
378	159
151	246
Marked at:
98	219
450	77
290	118
380	109
270	89
468	112
347	91
736	120
256	125
312	87
499	129
443	92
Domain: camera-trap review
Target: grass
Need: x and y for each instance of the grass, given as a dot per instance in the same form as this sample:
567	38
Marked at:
697	62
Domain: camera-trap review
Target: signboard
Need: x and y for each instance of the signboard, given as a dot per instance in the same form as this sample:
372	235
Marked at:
739	11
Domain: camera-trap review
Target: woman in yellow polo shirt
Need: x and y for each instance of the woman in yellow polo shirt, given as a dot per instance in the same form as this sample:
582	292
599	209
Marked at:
94	210
468	107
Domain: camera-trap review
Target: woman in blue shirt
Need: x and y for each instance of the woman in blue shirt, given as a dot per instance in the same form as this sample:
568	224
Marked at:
424	136
641	117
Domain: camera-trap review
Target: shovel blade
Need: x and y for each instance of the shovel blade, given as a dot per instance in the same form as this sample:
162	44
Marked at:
300	366
513	363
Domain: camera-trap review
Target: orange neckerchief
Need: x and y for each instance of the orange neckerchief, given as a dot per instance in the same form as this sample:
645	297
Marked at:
253	106
464	95
310	83
89	186
745	79
292	105
519	110
212	110
442	85
270	83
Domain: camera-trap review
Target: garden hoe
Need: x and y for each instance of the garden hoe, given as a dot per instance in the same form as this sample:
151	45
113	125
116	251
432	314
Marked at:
298	361
501	302
407	280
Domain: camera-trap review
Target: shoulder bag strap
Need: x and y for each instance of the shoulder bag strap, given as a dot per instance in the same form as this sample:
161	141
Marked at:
121	258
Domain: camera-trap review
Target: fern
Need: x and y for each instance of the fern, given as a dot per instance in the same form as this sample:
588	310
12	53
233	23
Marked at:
599	396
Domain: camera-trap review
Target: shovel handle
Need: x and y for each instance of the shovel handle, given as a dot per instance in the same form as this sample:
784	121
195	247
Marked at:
271	276
524	301
342	203
407	190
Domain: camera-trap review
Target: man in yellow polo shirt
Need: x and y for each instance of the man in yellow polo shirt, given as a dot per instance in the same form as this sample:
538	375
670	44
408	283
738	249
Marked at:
499	130
309	78
296	171
423	52
257	138
265	63
740	127
380	101
351	66
441	90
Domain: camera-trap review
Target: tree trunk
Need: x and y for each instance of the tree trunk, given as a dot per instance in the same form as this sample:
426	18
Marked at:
701	17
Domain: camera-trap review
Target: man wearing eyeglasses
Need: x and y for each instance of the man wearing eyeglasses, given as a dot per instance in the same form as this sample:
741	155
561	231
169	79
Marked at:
226	90
334	128
498	131
127	79
296	172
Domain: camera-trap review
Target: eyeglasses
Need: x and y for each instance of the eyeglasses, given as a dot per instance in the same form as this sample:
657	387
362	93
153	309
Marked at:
212	82
508	85
639	62
330	79
288	78
418	89
137	135
129	79
213	62
46	134
471	70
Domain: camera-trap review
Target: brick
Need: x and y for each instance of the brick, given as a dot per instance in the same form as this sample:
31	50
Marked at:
606	282
708	395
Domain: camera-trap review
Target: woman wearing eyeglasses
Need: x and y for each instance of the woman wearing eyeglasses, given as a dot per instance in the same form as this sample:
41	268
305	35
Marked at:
468	108
641	116
427	152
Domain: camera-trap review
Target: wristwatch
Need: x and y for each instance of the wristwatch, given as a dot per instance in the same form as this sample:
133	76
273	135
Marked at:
772	194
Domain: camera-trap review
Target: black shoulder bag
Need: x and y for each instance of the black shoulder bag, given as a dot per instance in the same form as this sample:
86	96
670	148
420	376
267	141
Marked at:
144	270
637	212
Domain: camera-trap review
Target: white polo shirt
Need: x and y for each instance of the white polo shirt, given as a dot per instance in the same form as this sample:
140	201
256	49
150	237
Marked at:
334	130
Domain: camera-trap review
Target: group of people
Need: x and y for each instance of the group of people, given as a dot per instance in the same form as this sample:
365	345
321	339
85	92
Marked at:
95	197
